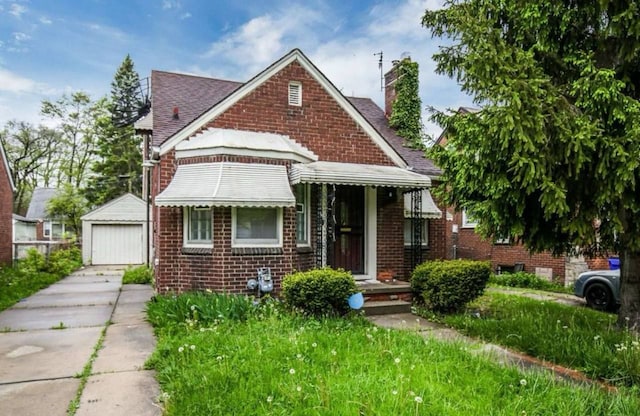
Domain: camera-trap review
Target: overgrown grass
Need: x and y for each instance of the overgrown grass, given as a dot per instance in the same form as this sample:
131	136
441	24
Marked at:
527	281
35	273
580	338
140	275
269	362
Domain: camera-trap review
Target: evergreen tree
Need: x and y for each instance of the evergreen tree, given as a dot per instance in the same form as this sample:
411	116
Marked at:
553	157
118	169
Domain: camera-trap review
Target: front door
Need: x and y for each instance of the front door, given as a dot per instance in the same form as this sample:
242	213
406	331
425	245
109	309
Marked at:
347	247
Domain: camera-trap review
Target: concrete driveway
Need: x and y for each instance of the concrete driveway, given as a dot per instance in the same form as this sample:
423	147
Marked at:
47	339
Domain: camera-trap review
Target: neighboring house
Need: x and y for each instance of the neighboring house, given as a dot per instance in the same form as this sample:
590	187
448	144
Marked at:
24	229
7	188
505	255
48	229
284	172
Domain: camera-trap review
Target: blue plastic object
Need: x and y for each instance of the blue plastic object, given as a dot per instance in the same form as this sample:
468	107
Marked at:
356	301
614	263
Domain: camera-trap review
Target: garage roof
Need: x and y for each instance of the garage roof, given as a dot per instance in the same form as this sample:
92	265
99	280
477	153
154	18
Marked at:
127	208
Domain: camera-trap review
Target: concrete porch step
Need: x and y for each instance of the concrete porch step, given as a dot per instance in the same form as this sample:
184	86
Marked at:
386	307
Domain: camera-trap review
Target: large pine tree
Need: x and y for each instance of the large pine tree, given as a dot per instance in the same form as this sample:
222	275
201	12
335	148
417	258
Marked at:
553	158
118	169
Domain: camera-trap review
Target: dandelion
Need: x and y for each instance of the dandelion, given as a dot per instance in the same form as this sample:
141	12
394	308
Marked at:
193	347
269	399
333	352
523	382
597	337
394	392
314	345
411	393
404	322
564	327
219	358
418	399
397	361
193	307
299	356
164	397
626	318
292	371
298	389
181	349
558	321
413	367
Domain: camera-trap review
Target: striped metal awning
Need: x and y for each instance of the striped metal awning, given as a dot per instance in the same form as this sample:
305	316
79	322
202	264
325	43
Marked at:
228	184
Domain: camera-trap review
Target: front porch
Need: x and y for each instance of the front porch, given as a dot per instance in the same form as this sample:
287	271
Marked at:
383	298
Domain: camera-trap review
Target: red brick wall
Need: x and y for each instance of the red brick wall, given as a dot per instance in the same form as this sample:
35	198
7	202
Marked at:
6	220
390	234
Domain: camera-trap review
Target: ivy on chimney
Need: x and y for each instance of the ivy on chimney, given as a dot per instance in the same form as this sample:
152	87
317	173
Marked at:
406	111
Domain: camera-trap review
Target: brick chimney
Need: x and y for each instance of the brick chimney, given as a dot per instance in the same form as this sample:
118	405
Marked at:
389	83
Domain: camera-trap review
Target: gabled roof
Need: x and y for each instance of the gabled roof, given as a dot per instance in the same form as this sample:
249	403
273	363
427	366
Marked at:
38	205
375	115
126	208
192	95
3	155
201	98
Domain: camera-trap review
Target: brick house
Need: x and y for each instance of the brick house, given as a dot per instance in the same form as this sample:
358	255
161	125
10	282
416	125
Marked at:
284	172
7	188
506	256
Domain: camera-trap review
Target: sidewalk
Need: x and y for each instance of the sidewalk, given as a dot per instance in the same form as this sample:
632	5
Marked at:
48	339
498	354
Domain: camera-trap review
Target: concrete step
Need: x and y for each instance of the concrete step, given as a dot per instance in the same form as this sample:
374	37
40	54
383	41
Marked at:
386	307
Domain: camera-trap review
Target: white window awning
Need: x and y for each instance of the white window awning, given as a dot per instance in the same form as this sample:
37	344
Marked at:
228	184
428	208
355	174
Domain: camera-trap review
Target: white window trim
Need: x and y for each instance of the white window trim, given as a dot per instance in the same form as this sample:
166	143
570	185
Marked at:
466	223
503	241
425	233
47	227
307	191
185	228
298	85
255	243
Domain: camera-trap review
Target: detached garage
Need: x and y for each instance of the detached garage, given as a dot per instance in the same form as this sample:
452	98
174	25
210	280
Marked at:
115	232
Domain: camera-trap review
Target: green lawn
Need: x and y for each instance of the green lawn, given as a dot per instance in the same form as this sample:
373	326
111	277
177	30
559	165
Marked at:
217	356
576	337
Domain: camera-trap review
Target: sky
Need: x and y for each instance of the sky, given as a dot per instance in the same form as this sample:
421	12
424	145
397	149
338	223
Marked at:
50	48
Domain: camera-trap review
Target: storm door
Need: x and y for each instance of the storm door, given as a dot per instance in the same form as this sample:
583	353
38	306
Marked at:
347	243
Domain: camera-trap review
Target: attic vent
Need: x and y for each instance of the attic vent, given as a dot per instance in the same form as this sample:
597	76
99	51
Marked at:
295	93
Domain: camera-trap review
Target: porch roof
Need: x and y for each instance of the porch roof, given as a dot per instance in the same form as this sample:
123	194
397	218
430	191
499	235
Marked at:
228	184
357	174
428	209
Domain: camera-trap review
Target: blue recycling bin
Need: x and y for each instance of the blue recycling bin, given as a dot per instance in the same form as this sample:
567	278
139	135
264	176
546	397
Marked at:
614	263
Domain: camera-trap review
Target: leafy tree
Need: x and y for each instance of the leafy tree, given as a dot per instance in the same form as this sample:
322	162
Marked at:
553	157
32	155
68	205
76	117
406	111
118	168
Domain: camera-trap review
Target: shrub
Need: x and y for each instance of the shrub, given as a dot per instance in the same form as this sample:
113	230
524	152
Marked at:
447	286
319	292
141	275
63	262
524	280
33	262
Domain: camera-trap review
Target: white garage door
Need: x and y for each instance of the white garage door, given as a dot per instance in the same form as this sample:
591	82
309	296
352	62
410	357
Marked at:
116	244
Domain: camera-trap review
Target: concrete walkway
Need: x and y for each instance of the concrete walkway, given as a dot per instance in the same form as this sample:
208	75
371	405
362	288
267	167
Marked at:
498	354
48	338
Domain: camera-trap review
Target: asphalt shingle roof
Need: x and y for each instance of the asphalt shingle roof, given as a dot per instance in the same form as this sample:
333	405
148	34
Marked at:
38	205
194	95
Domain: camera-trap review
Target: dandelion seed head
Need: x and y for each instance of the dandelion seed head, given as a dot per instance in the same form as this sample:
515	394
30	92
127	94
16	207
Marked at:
418	399
523	382
314	345
193	347
397	361
180	349
333	352
394	392
292	371
298	388
269	399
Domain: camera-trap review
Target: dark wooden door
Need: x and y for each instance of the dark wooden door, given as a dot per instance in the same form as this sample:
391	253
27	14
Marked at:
347	251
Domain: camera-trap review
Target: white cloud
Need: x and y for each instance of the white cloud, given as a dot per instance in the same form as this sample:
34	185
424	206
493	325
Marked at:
171	4
109	32
185	16
20	37
17	10
14	83
45	20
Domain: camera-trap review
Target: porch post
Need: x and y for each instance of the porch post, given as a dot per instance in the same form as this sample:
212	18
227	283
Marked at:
323	207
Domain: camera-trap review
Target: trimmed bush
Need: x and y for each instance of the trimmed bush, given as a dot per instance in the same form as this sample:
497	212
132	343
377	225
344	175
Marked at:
140	275
447	286
319	292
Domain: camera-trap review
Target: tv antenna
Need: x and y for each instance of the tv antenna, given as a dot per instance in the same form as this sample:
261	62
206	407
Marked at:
142	98
380	54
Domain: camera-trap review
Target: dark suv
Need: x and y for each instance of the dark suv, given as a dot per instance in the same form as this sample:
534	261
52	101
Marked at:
600	288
